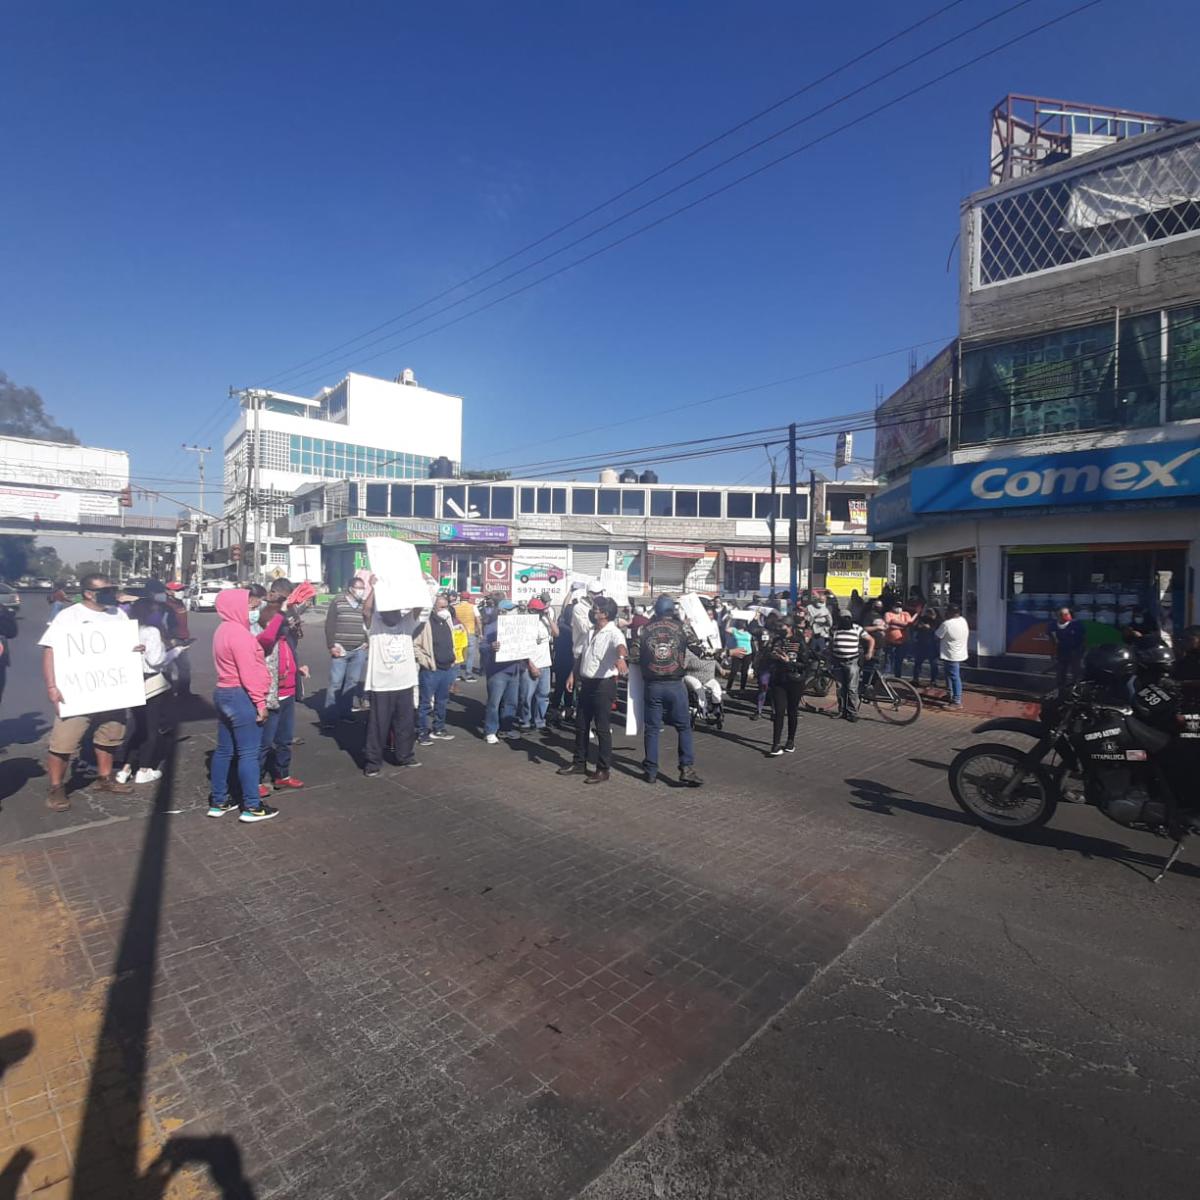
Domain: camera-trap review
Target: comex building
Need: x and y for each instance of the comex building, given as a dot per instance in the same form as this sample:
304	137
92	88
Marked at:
1051	454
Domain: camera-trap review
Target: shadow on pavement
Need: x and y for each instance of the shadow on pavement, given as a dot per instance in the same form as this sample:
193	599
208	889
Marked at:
24	730
15	773
872	796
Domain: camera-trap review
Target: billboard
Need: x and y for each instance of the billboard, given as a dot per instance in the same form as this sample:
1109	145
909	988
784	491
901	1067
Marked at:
538	569
915	419
58	465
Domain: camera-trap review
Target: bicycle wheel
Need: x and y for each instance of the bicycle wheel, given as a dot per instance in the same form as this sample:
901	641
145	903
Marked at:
896	700
820	690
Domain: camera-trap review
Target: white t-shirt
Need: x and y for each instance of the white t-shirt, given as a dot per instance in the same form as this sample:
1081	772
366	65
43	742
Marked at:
541	654
954	633
391	664
599	657
74	618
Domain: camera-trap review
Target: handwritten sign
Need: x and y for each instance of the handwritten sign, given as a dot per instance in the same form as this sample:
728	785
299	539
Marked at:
703	626
97	668
517	634
399	583
616	586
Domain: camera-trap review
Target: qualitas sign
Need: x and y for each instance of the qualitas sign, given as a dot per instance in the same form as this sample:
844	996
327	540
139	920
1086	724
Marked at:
1161	471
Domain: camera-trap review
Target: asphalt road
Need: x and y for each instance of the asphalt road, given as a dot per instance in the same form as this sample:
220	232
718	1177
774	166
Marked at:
810	978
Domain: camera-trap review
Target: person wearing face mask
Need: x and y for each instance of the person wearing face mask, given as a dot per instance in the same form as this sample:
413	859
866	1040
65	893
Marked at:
601	659
98	607
433	645
391	682
273	628
534	700
346	638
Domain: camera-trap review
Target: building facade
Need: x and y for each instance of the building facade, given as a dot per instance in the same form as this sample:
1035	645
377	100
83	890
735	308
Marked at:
1051	455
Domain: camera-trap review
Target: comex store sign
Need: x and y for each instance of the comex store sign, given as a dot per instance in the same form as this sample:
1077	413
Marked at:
1148	472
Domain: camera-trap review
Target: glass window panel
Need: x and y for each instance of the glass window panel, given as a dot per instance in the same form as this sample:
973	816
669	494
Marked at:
740	504
401	500
480	500
423	500
633	504
583	501
710	504
1183	364
454	501
660	503
377	500
610	502
763	505
528	500
558	500
686	504
502	503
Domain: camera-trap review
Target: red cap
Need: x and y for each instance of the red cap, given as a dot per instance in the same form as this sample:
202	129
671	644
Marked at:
174	587
537	606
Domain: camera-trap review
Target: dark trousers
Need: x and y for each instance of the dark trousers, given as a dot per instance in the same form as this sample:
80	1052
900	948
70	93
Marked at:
144	743
740	667
925	652
391	713
786	693
593	704
1068	667
278	730
667	704
564	664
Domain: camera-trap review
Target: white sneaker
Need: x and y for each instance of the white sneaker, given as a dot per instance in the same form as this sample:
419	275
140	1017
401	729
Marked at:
492	740
124	773
146	775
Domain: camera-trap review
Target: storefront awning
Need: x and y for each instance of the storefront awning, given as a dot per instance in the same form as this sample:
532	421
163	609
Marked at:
675	551
748	555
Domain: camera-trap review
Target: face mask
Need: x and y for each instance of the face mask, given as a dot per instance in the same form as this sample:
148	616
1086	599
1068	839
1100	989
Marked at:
356	597
106	597
444	613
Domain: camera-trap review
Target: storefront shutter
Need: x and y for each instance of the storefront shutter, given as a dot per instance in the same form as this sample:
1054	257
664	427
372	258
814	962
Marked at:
589	560
668	574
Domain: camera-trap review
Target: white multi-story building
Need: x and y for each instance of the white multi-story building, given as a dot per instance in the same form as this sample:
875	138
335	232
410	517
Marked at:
362	428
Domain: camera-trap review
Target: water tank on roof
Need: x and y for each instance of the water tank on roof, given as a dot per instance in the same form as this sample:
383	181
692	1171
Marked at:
441	468
629	476
407	377
608	475
648	477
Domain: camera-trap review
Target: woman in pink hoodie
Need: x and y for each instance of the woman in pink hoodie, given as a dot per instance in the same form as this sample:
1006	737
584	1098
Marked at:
241	703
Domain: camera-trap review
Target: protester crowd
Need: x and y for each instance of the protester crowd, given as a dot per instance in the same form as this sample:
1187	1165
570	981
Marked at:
397	669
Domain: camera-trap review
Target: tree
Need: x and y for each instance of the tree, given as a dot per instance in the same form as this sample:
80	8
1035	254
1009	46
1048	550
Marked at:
88	567
22	414
124	552
45	563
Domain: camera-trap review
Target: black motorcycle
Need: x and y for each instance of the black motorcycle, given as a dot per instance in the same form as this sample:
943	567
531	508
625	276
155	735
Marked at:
1131	754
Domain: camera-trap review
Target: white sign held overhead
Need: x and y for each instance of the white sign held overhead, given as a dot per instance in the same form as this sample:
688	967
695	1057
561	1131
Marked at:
703	626
615	585
304	564
517	634
97	668
399	581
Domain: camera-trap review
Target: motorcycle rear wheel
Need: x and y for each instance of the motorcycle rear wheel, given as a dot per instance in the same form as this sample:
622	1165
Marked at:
978	776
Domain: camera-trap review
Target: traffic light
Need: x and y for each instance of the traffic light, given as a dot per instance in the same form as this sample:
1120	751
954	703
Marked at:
235	553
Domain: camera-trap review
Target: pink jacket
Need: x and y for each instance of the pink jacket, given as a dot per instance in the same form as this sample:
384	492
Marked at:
236	653
272	634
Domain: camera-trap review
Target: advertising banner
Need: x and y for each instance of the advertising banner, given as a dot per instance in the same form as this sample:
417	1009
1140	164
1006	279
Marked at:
40	504
538	569
915	420
466	531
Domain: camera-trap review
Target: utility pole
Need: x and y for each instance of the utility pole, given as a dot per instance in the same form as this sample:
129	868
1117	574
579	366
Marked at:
256	401
793	539
774	516
200	451
812	526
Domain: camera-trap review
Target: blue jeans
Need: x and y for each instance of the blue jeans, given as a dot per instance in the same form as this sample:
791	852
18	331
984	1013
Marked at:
953	679
277	732
502	690
896	658
238	731
534	698
667	704
434	691
345	682
470	663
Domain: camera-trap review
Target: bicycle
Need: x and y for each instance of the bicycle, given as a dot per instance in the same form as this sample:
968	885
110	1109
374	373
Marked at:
895	700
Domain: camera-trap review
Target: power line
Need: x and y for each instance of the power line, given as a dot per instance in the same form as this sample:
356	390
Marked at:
613	199
708	195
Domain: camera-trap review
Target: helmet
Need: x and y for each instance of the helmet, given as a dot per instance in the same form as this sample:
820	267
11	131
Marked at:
1109	664
664	606
1154	660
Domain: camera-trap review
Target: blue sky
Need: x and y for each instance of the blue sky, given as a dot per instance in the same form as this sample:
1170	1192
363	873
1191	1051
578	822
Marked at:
202	195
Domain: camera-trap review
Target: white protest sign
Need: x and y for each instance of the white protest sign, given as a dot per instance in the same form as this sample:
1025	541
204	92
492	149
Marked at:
703	626
742	614
97	668
399	581
615	585
584	583
517	634
635	701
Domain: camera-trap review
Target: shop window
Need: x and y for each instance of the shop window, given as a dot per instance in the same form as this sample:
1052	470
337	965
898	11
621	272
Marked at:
454	500
660	503
529	499
1183	364
502	503
558	500
845	506
763	504
710	504
610	502
633	504
377	500
739	505
686	504
583	502
424	496
401	500
479	501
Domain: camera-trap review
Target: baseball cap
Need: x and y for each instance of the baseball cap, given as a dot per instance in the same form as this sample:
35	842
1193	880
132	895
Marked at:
537	606
507	606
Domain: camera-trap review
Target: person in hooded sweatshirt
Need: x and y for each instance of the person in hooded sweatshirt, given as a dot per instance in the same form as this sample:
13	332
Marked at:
272	630
240	699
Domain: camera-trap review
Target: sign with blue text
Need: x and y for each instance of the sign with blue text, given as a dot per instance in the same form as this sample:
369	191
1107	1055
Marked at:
1161	471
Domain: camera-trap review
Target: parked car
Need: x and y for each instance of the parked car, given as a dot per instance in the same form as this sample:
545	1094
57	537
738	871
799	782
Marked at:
203	597
44	584
550	574
9	597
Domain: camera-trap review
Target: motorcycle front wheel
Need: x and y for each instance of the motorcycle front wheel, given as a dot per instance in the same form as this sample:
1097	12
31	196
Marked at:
979	776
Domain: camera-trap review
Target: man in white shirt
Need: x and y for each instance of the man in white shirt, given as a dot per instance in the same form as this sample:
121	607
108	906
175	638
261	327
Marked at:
600	659
954	634
391	681
98	606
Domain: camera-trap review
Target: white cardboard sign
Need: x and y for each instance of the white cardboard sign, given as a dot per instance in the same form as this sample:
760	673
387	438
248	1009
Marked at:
517	634
703	626
97	668
635	701
616	586
399	581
